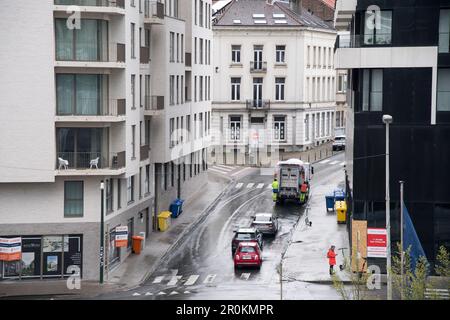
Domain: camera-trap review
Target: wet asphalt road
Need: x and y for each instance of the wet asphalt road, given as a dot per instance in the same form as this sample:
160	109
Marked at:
202	267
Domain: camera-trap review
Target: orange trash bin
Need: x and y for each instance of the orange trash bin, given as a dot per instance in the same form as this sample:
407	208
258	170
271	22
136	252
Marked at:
137	244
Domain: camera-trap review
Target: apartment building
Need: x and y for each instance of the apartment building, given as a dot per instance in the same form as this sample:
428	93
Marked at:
94	94
274	83
398	61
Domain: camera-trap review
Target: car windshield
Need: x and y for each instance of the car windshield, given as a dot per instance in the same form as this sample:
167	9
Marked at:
340	138
266	219
245	236
248	249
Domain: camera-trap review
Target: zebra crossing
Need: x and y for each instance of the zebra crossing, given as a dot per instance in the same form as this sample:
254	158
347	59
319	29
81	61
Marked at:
167	283
332	163
224	169
252	185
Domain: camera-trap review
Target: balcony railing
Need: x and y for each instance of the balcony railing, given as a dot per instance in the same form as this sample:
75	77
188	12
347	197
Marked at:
117	52
188	59
154	102
258	104
145	55
258	66
153	9
93	107
360	41
92	3
145	149
89	160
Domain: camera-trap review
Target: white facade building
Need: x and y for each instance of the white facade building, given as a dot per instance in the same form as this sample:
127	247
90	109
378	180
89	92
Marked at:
95	95
274	83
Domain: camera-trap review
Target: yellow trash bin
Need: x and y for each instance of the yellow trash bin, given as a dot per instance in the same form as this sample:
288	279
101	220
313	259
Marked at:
341	211
164	220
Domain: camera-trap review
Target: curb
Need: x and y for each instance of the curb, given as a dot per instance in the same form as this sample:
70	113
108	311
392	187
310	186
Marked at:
183	235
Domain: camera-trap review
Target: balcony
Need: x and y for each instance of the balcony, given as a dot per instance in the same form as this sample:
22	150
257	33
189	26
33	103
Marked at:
154	105
153	12
90	163
344	12
363	41
113	7
258	104
188	59
145	55
112	58
92	110
145	150
258	67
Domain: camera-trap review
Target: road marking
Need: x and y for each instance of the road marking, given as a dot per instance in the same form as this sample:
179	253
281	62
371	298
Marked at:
186	292
174	272
158	279
174	280
334	162
250	185
161	293
227	168
239	185
217	171
343	163
173	293
210	279
260	186
269	187
325	161
245	276
240	171
191	280
148	294
136	294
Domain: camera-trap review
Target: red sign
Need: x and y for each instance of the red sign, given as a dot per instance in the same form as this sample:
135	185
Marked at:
376	243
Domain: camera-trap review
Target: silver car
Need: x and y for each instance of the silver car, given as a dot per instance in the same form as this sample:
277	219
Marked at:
266	223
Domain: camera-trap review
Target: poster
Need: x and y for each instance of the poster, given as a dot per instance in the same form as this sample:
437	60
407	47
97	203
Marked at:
52	263
359	245
121	236
376	243
10	249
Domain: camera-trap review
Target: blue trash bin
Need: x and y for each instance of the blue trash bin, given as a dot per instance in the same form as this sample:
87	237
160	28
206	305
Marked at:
329	200
339	195
176	208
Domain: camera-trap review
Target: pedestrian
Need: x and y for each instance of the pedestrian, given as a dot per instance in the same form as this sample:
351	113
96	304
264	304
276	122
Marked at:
331	255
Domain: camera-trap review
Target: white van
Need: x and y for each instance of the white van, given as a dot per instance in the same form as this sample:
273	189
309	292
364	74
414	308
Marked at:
339	143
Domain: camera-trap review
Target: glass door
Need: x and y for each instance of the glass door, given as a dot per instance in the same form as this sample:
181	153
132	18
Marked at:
257	92
257	56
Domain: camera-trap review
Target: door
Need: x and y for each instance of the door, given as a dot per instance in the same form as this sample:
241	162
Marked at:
257	92
257	56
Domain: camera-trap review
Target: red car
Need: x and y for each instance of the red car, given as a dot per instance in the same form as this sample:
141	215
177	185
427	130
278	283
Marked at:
248	254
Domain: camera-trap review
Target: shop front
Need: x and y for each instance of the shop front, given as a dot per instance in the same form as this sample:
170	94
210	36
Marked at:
53	256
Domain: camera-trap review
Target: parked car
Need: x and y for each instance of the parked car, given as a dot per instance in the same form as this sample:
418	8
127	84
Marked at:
248	254
339	143
246	235
266	223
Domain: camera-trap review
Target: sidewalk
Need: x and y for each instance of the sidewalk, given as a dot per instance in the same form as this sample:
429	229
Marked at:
136	268
305	259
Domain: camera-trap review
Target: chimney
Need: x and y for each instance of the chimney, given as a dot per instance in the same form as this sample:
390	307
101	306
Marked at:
296	6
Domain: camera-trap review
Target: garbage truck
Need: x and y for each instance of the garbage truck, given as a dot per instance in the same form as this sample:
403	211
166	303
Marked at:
292	181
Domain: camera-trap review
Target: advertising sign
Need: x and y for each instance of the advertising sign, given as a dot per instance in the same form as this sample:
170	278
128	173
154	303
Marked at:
121	236
11	249
376	243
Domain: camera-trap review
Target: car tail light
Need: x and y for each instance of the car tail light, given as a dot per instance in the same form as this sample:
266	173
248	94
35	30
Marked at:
256	257
237	257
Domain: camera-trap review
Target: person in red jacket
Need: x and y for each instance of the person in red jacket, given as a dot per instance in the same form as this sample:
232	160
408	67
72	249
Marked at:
331	255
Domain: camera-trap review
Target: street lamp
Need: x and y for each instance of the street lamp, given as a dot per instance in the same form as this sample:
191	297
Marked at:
387	119
102	240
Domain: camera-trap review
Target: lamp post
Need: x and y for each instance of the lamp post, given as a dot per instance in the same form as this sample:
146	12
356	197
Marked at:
102	239
387	119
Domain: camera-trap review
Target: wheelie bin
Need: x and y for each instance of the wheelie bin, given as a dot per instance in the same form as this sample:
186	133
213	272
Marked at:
176	208
341	211
137	244
329	200
164	220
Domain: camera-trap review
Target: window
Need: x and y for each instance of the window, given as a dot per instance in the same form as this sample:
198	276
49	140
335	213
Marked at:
195	11
444	31
308	60
133	42
130	189
119	194
73	199
280	54
201	51
378	33
178	47
133	91
342	83
328	123
182	48
372	90
307	127
188	127
443	94
178	89
323	125
130	225
140	183
172	47
314	57
109	195
172	129
235	128
201	19
235	89
195	88
236	54
201	88
279	126
172	89
279	88
133	141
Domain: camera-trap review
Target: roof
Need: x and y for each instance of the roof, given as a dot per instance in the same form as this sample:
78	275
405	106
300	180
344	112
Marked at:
263	215
246	230
248	244
259	13
291	162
